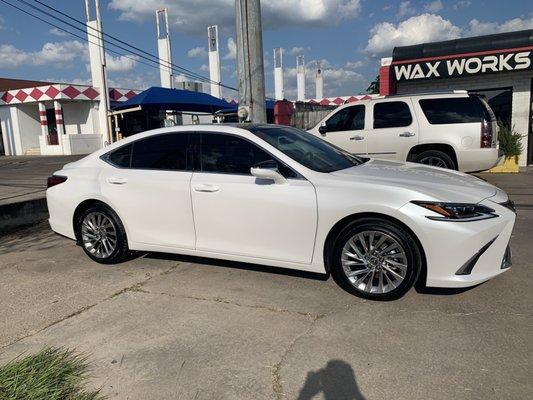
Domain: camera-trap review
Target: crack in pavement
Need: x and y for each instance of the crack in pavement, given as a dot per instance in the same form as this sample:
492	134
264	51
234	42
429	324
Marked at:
136	287
277	386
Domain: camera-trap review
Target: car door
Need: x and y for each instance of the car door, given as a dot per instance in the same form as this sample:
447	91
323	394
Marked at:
394	129
346	129
148	184
237	213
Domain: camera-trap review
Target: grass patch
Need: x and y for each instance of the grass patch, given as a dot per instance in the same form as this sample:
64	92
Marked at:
51	374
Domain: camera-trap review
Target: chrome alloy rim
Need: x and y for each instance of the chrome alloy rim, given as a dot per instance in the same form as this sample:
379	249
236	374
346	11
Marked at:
98	235
374	262
433	161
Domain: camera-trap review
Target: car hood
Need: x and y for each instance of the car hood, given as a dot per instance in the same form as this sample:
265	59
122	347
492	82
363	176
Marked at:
438	183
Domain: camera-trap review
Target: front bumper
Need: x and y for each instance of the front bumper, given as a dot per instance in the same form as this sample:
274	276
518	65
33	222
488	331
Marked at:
449	247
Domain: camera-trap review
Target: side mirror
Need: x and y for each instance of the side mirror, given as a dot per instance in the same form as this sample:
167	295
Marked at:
268	170
323	129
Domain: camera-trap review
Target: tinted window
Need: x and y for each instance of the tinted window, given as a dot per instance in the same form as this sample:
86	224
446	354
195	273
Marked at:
461	110
306	149
229	154
392	114
347	119
168	152
121	157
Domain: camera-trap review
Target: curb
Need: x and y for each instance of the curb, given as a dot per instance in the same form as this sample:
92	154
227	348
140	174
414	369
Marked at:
17	215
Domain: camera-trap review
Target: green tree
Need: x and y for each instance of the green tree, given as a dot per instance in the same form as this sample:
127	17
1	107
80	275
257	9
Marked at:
373	88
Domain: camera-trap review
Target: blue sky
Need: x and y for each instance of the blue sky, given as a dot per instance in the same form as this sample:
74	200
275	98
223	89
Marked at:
349	36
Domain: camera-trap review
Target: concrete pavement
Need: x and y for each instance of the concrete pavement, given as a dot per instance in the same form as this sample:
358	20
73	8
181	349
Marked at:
169	327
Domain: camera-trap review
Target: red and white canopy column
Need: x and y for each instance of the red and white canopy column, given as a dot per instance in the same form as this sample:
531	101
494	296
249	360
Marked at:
44	121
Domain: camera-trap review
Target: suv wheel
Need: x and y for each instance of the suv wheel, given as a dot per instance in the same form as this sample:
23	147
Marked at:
435	158
102	235
375	259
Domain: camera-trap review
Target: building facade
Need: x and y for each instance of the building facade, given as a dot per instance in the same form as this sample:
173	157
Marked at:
498	67
51	119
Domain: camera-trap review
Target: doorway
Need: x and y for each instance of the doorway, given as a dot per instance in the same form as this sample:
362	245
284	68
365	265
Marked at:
52	127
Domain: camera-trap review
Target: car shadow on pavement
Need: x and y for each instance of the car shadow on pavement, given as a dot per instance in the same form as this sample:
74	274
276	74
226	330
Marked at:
236	265
336	381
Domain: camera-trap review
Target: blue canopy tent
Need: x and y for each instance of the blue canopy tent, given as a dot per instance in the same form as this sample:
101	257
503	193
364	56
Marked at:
158	98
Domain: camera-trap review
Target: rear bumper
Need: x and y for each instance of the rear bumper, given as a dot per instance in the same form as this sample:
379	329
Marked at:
478	159
450	246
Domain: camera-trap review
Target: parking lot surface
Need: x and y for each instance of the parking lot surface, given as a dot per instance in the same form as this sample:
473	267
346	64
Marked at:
170	327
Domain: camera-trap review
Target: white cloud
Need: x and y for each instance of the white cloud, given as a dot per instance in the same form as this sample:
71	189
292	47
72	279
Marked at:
354	64
57	53
434	6
338	81
232	50
477	28
138	81
296	51
120	63
462	4
405	9
418	29
58	32
195	16
204	67
197	52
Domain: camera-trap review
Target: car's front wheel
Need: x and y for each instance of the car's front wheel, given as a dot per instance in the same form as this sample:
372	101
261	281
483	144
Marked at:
102	235
376	259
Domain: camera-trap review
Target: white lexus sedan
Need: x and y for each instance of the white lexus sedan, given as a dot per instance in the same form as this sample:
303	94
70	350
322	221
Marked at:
277	195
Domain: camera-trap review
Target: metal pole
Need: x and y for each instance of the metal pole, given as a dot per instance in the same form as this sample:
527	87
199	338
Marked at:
250	68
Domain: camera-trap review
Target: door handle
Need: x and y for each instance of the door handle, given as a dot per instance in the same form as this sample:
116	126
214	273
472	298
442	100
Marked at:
407	134
206	188
117	181
357	137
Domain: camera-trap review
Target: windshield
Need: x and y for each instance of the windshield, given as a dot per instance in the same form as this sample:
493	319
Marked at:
306	149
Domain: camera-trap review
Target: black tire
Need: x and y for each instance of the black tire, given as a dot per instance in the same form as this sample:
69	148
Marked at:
393	233
435	158
120	251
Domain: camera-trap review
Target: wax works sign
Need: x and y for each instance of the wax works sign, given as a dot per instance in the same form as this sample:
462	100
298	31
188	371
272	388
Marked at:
465	66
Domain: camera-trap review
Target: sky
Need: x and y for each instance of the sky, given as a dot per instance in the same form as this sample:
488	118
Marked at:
348	37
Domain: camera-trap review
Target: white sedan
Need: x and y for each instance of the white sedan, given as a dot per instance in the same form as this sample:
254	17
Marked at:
277	195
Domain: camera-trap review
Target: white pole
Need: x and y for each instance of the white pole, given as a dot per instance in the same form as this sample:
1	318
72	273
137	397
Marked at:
214	60
319	81
164	49
278	74
300	77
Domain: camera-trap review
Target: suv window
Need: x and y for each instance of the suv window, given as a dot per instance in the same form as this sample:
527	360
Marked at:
228	154
166	151
392	114
121	157
459	110
347	119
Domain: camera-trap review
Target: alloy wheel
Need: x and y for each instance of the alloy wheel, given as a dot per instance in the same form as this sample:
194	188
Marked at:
374	262
98	234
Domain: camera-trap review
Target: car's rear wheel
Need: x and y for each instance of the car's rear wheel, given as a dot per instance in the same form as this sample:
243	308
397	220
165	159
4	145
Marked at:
102	235
376	259
435	158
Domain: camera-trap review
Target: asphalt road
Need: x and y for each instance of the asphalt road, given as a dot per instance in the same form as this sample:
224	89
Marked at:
165	327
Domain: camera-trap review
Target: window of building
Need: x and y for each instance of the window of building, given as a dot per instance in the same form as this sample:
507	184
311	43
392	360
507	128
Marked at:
347	119
228	154
458	110
167	152
501	102
392	114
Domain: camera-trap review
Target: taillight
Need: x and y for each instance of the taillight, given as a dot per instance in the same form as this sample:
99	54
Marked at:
55	180
486	134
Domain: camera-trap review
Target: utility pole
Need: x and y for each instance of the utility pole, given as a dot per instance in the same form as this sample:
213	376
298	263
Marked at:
98	67
214	60
164	49
278	74
250	68
319	81
300	77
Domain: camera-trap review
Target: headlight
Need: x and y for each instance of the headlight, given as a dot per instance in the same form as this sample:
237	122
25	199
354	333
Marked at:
457	211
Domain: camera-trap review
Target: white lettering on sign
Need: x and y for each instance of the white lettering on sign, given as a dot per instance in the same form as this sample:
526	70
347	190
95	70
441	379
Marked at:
458	65
461	66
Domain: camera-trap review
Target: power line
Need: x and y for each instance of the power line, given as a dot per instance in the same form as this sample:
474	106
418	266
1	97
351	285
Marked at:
182	70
